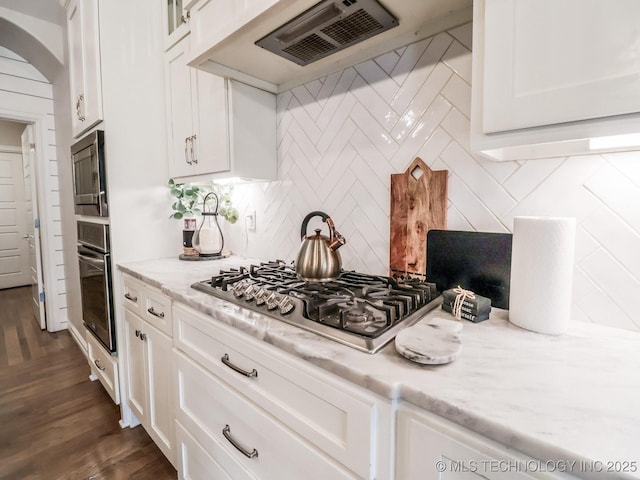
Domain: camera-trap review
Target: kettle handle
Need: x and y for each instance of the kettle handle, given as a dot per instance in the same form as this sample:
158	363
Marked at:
317	213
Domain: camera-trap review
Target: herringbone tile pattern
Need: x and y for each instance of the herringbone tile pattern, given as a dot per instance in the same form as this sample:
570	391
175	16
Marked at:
342	136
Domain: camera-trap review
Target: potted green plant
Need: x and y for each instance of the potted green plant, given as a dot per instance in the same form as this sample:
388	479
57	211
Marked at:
188	203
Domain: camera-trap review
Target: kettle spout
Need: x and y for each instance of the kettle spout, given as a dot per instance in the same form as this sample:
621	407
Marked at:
337	241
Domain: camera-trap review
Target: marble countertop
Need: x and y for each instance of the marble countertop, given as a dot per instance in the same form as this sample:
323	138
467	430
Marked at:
574	397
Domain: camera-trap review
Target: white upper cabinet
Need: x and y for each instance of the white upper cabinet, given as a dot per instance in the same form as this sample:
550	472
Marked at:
176	22
566	68
217	127
84	64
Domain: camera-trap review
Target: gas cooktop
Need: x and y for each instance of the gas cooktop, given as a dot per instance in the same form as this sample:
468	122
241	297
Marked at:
360	310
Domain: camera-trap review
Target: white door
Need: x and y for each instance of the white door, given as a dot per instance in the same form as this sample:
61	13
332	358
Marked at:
14	248
30	195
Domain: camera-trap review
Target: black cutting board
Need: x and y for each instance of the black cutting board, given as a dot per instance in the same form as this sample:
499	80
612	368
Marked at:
477	261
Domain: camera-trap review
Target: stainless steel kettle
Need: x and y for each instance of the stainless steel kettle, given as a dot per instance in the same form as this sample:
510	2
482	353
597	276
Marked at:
318	259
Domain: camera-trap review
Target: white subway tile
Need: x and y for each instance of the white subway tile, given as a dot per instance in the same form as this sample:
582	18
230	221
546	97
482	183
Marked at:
616	191
458	58
458	92
463	33
616	237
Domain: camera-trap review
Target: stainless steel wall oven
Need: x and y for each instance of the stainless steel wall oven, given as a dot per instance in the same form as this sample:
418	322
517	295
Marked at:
89	175
96	281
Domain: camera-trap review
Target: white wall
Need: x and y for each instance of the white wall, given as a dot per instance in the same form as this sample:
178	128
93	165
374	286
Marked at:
340	138
25	92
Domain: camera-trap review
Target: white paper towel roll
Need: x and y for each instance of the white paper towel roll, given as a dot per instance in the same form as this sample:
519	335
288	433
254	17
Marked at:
542	261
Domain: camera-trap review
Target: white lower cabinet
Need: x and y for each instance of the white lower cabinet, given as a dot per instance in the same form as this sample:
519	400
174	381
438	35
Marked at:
228	425
149	380
277	416
195	463
431	448
104	367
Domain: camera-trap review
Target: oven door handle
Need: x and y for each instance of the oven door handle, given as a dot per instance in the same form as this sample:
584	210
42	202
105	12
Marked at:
93	258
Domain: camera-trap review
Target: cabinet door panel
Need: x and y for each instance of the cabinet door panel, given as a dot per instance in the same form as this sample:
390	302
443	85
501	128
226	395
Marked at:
179	121
430	449
160	365
545	64
76	77
92	105
136	383
210	121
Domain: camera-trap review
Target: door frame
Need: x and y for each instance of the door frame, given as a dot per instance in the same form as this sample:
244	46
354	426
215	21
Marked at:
47	266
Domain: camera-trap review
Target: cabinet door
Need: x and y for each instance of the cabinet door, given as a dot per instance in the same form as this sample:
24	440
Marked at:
179	117
76	76
429	448
545	63
136	383
160	415
176	24
92	103
210	114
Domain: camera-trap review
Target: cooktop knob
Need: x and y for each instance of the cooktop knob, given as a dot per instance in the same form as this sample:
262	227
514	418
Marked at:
239	288
273	301
250	293
261	296
286	306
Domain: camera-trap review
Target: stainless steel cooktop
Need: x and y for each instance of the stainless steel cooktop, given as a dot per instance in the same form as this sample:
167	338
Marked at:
360	310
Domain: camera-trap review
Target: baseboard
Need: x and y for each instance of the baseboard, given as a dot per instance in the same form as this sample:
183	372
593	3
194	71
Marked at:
78	337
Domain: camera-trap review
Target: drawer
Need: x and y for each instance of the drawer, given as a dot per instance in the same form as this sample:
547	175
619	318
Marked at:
104	367
133	295
194	463
332	414
227	424
157	310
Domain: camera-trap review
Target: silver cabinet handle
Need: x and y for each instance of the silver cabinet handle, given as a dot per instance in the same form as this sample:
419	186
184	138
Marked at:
143	336
226	431
194	157
128	296
186	151
227	362
78	107
79	103
99	365
138	332
153	312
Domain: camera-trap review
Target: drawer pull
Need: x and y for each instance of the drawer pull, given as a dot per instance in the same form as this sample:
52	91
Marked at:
129	297
143	336
153	312
138	333
99	365
226	431
227	362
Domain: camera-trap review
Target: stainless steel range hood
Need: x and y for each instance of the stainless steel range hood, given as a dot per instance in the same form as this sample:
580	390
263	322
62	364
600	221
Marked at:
243	48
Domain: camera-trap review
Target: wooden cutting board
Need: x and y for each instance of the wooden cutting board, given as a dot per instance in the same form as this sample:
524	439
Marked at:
418	204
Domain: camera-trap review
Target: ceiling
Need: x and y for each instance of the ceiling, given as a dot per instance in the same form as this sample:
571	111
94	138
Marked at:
49	10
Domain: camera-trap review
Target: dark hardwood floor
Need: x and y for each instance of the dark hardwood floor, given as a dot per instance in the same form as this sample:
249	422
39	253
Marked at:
55	424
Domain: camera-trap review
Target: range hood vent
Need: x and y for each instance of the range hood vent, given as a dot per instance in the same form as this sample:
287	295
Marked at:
326	28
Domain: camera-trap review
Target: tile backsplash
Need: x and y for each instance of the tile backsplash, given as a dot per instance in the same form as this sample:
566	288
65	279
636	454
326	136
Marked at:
342	136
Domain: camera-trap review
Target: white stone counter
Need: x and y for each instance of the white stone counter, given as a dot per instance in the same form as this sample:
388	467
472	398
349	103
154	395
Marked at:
575	397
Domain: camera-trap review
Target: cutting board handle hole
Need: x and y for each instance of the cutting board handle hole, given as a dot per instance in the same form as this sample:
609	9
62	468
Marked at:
417	172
